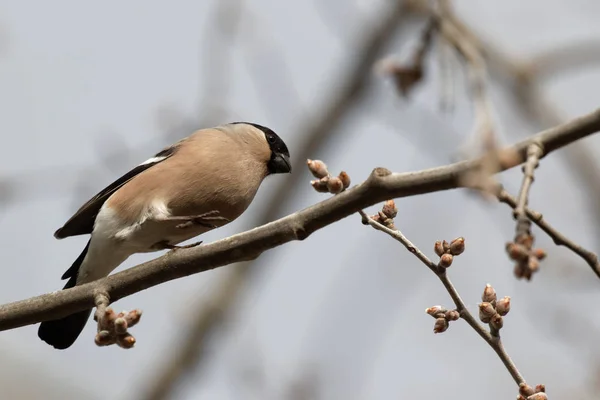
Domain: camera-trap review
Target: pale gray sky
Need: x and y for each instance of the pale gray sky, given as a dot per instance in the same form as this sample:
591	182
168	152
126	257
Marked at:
79	79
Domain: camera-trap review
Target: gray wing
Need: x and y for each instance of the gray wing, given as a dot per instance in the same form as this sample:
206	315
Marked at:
82	222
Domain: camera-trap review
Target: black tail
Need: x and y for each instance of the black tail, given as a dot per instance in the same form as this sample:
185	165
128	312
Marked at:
62	333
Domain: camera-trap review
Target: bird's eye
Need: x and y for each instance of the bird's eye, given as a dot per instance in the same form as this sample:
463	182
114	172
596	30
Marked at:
271	138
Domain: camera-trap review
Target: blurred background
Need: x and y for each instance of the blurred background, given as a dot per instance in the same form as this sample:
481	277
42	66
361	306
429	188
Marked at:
89	90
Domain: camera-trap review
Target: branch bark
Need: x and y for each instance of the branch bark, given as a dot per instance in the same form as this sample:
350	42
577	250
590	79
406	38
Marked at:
381	185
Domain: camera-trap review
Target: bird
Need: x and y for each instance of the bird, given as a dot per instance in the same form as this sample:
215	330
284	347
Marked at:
200	183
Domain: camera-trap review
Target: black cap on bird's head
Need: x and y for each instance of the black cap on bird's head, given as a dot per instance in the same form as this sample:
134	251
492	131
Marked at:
280	156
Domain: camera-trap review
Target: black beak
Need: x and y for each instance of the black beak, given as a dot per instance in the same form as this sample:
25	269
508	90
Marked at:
280	164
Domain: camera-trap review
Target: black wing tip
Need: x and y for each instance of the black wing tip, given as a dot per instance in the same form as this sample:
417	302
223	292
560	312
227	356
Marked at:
59	234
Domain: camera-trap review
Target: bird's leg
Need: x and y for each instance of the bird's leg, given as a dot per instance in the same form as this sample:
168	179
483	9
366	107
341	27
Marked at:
165	245
202	220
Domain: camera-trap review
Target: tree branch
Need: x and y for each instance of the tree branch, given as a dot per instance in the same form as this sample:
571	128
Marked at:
559	239
381	185
493	338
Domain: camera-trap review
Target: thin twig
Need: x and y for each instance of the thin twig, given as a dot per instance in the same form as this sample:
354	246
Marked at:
493	340
559	239
381	185
476	72
534	152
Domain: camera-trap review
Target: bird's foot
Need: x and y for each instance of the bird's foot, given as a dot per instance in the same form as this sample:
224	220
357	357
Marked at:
165	245
205	220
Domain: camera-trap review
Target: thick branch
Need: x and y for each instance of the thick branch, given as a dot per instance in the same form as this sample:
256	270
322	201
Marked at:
380	186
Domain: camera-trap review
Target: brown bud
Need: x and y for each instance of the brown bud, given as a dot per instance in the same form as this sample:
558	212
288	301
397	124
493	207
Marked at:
525	390
335	185
345	178
133	317
376	218
519	271
503	305
320	185
120	326
519	397
486	312
104	338
452	315
390	209
489	294
538	396
525	240
446	260
440	325
109	316
540	254
446	246
126	341
497	322
517	252
438	248
540	388
457	246
318	168
533	264
435	311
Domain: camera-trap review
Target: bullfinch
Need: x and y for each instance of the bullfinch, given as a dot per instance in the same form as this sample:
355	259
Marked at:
200	183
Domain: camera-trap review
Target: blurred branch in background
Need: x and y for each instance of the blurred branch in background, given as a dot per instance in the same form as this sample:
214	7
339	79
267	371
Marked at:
320	128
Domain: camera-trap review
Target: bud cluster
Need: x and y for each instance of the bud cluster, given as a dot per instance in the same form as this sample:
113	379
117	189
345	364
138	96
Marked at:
325	182
526	392
442	317
386	216
527	259
491	310
112	327
447	251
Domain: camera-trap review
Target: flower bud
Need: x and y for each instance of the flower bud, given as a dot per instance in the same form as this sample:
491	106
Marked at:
446	260
525	390
440	325
538	396
452	315
438	248
457	246
533	264
519	271
540	254
345	178
497	322
320	185
503	305
435	311
133	317
540	388
120	326
389	209
103	338
109	316
517	252
126	341
486	312
446	246
335	185
489	294
318	168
